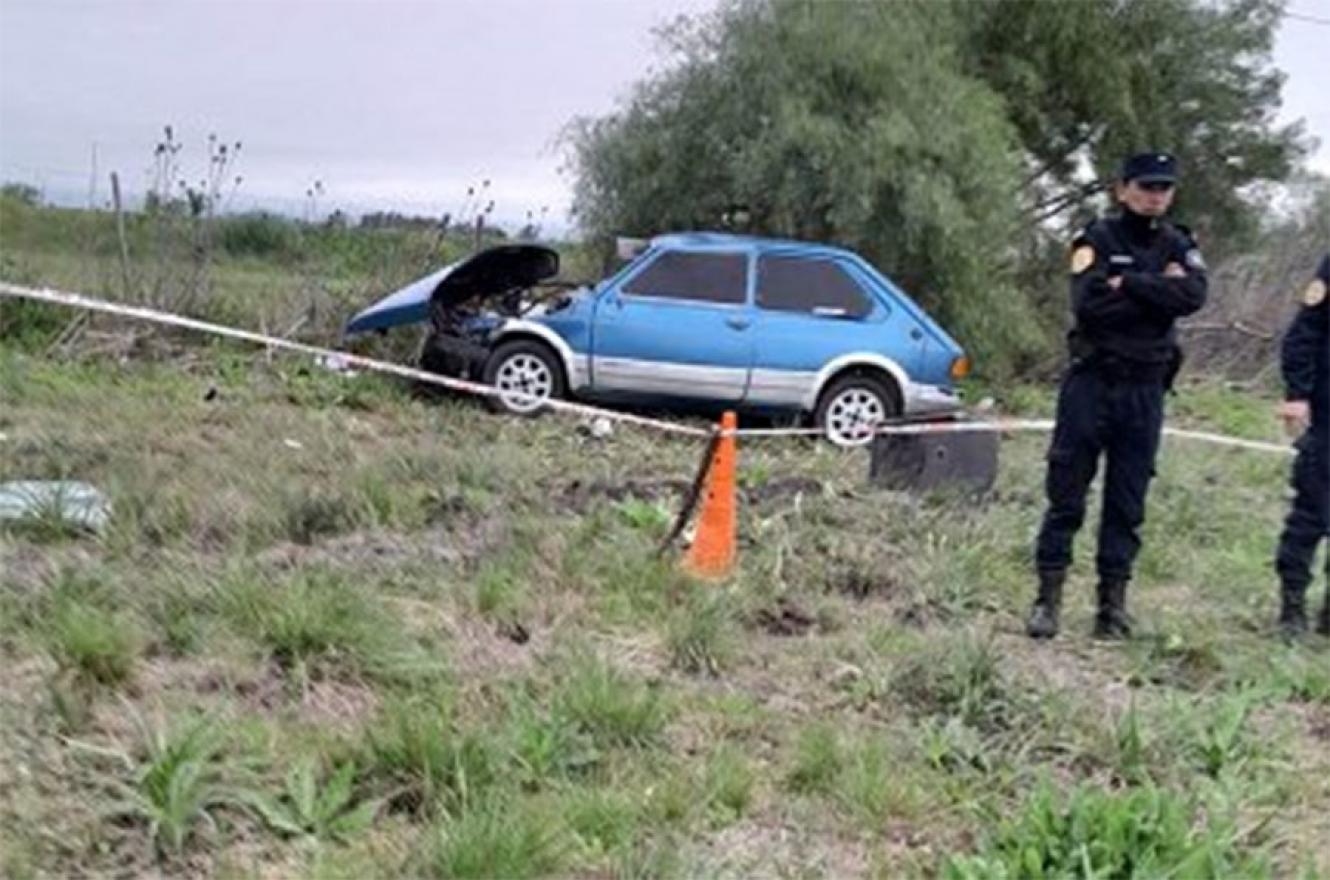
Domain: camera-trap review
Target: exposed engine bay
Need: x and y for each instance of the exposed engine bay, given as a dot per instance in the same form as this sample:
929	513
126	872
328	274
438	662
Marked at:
475	300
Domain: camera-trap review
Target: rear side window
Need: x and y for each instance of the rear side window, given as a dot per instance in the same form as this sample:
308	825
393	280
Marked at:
711	278
792	284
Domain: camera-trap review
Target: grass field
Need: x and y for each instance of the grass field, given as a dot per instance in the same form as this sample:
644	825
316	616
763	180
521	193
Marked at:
337	631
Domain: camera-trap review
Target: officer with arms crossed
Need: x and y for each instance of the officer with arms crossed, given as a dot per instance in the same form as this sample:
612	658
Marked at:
1132	276
1306	410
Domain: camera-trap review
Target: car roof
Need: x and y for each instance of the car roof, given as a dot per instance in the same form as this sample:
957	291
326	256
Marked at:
686	240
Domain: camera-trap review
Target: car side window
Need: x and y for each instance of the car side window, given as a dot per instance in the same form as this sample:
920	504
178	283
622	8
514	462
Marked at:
699	277
797	284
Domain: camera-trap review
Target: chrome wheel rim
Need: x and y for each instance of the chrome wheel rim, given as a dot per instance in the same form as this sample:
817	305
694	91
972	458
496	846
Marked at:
525	381
852	416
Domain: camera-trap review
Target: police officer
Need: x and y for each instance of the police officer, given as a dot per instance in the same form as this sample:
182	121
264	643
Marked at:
1132	276
1306	410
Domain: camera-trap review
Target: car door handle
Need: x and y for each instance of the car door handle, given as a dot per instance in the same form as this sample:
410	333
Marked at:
738	323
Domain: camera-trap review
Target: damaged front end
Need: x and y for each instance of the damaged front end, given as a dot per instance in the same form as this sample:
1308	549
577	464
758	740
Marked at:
467	303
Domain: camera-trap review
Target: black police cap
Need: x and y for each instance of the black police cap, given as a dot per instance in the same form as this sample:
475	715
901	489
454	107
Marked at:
1150	168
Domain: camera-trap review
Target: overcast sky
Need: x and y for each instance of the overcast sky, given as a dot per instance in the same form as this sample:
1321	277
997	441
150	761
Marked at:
391	104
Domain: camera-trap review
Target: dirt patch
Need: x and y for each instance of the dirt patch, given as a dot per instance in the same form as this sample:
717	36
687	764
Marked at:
1071	664
514	632
28	567
451	546
579	496
923	613
484	652
1318	725
1190	669
785	618
324	702
263	692
447	509
338	705
775	490
860	582
772	848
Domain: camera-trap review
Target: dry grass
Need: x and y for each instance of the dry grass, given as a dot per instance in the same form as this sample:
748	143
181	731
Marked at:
466	609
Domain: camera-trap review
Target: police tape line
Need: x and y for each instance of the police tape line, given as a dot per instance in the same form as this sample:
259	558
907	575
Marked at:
1011	426
78	301
154	316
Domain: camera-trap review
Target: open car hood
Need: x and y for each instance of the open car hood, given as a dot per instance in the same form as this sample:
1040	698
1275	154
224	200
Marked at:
491	272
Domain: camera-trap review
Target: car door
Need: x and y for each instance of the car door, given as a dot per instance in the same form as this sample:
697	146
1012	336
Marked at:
678	327
811	310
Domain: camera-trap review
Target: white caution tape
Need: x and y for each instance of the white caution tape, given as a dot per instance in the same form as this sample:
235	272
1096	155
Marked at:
1000	426
1234	442
942	426
342	358
1006	426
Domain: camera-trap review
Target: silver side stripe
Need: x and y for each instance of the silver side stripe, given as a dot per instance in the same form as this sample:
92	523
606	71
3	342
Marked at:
781	387
764	387
658	377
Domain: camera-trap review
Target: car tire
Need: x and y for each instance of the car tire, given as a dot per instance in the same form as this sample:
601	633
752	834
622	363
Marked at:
855	399
524	365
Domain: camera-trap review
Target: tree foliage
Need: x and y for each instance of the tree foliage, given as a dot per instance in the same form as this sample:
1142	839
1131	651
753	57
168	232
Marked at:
951	142
1089	82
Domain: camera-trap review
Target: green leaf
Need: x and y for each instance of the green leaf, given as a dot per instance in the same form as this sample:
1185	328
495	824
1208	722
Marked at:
337	793
302	788
275	816
354	821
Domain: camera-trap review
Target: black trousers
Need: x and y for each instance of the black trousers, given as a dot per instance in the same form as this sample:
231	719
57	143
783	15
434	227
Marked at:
1120	420
1309	519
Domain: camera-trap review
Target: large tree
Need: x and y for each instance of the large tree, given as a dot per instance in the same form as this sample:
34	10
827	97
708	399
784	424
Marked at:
1086	82
947	140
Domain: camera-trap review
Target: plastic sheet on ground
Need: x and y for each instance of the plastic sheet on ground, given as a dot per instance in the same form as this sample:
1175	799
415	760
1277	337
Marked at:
77	504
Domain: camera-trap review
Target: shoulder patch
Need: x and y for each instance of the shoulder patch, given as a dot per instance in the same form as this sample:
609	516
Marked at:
1082	258
1314	295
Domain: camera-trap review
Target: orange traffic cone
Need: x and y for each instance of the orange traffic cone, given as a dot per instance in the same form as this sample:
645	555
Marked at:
713	551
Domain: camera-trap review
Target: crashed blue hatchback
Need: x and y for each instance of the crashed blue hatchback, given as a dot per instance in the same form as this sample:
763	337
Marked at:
695	317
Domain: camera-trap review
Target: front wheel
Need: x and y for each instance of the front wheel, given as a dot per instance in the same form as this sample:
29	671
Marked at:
852	407
527	374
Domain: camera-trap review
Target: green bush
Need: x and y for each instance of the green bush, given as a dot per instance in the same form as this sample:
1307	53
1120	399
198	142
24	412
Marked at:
26	324
427	762
1142	833
95	644
259	235
499	840
610	707
175	787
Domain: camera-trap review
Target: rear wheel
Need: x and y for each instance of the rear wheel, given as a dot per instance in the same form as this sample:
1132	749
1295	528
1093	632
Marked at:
852	406
527	374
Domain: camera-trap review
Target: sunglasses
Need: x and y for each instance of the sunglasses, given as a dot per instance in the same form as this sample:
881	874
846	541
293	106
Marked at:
1156	186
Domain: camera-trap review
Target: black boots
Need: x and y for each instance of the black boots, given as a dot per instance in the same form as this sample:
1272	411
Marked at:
1112	621
1293	610
1043	620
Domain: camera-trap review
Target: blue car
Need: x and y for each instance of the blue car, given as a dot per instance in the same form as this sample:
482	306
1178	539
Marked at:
699	318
